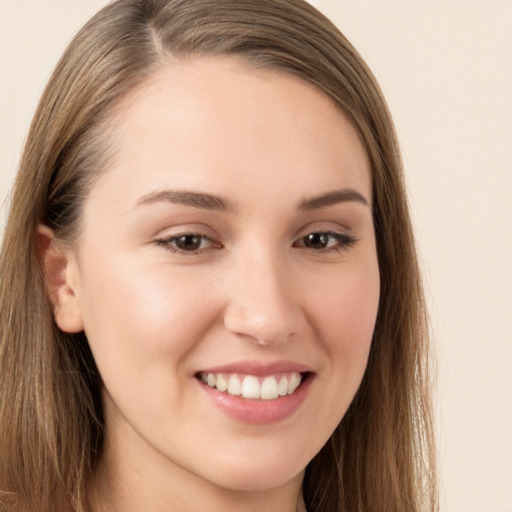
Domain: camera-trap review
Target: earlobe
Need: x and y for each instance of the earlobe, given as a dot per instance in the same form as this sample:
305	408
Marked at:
61	274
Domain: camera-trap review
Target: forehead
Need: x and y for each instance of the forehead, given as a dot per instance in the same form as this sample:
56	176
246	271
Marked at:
210	121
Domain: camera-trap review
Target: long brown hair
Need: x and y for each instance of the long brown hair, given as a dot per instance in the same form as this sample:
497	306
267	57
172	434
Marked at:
381	456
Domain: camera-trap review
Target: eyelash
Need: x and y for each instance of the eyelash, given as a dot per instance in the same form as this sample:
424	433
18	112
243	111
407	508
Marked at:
344	242
167	243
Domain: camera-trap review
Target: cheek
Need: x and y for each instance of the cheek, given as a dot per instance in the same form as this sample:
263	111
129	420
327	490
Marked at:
346	310
348	305
352	313
137	314
342	308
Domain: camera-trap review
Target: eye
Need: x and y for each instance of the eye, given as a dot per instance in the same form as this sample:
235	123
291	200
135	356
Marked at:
191	243
325	241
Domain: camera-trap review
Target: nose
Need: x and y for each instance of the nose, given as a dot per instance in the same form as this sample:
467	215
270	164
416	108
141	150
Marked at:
262	305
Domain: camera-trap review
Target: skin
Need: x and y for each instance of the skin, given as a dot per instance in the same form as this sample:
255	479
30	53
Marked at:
263	141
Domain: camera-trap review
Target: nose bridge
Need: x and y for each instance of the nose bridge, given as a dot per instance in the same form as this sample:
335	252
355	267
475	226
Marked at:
261	304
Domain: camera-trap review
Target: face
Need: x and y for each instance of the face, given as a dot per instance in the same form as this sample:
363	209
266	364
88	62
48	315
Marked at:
228	248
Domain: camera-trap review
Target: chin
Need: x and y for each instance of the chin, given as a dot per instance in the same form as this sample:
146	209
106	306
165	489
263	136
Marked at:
256	476
255	482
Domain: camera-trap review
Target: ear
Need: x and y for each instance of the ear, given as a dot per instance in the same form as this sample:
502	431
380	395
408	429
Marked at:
62	279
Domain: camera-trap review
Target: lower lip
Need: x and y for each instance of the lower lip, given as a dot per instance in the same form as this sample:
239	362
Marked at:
259	412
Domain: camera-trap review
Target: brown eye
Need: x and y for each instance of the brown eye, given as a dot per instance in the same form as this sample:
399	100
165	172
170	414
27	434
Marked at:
317	240
189	242
325	241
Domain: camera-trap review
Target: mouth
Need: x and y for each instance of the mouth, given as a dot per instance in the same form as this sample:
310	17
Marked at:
254	393
255	387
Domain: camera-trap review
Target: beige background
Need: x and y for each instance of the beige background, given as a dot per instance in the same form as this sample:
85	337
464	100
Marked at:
446	69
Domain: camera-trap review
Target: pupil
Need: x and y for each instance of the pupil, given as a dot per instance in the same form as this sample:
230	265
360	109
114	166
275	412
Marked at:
316	240
189	242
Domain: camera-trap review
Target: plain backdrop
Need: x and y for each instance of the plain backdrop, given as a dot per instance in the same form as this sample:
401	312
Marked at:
446	70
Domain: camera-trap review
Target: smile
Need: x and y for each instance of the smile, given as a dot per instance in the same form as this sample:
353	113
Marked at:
270	387
257	393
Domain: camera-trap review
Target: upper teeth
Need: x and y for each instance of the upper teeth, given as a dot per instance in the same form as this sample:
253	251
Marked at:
249	386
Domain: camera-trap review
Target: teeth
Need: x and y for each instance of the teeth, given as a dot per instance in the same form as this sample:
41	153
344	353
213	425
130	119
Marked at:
282	388
234	386
222	383
269	389
249	386
293	383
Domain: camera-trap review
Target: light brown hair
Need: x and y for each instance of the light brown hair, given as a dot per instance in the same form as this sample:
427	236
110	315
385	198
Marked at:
381	456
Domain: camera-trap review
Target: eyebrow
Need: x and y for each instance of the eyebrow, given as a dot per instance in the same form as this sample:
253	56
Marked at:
331	198
216	203
187	198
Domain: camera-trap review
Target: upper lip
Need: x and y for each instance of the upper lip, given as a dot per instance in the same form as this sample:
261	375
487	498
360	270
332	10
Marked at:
258	369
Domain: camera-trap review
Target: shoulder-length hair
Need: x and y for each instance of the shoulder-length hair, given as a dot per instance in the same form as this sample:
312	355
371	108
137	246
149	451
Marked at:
381	455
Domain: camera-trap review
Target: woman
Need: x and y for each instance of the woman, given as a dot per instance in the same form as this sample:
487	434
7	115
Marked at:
210	298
